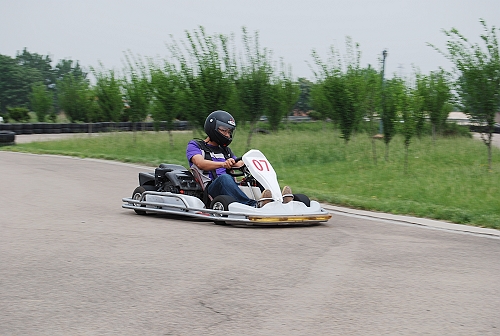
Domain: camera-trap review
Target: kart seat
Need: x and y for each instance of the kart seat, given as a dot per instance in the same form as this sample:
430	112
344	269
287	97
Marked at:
207	199
197	177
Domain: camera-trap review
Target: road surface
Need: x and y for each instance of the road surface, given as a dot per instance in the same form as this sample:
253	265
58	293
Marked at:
73	262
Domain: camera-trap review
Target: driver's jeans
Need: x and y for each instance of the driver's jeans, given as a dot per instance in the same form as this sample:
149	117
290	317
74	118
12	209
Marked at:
225	185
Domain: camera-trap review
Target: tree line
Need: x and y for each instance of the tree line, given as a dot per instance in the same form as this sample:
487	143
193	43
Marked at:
203	73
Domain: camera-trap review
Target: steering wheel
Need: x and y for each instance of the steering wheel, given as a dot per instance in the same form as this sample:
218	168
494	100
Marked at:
232	171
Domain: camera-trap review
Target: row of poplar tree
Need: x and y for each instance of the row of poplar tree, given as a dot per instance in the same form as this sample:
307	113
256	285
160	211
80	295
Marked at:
203	73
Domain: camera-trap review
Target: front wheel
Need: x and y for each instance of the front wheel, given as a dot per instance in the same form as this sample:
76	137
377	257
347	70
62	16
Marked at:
221	203
137	194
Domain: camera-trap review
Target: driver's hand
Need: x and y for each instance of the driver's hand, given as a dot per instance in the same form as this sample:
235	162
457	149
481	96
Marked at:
229	163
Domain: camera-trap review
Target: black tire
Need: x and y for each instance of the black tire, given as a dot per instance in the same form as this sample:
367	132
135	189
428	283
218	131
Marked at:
56	128
7	137
17	128
27	128
37	128
65	128
302	198
221	203
46	127
137	194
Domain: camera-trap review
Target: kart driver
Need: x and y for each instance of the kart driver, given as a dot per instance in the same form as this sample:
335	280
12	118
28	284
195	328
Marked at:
212	156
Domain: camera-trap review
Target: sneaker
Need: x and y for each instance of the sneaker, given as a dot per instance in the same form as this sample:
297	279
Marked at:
265	198
287	194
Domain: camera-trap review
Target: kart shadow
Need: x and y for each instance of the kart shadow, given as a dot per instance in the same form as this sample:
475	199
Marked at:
183	218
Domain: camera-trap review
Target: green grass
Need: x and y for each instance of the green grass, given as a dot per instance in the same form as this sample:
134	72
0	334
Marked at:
446	180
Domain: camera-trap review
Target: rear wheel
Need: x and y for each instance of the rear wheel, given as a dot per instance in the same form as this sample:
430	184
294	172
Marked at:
137	194
221	203
302	198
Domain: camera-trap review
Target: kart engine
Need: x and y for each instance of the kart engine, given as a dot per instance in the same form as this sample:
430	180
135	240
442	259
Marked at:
176	179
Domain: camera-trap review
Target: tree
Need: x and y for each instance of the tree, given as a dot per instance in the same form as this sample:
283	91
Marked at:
407	101
322	108
320	93
49	75
342	102
390	104
165	89
39	62
283	96
136	95
304	101
136	91
435	93
15	83
107	90
343	88
254	82
420	113
75	97
371	103
19	74
41	100
477	78
68	66
287	93
439	106
207	73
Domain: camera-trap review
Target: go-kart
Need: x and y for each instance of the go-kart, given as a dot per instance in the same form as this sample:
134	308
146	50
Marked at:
172	189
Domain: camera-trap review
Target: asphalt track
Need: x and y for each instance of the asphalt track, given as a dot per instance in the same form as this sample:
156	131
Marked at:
73	262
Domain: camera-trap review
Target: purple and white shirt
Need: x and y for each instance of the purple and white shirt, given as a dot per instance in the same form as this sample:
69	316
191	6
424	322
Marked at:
216	153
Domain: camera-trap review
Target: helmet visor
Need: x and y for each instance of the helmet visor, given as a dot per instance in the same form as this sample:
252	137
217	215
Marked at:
225	129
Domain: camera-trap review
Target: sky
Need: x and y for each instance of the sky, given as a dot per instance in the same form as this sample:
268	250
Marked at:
103	31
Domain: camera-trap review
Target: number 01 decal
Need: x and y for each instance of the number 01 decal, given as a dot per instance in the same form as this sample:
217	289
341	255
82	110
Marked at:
259	166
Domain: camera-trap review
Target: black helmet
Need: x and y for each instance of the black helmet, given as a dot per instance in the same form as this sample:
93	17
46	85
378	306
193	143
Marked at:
218	121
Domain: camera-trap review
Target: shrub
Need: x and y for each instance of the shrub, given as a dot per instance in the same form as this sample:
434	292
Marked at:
454	129
315	115
18	114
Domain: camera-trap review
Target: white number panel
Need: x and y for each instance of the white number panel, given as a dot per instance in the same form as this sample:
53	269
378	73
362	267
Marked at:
262	170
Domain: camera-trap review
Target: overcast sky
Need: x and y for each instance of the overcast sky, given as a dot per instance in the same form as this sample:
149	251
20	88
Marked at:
94	31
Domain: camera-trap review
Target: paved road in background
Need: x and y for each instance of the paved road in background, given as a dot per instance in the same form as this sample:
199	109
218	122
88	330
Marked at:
495	139
73	262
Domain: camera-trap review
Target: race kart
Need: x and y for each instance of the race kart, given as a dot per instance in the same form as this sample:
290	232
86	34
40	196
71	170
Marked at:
172	189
